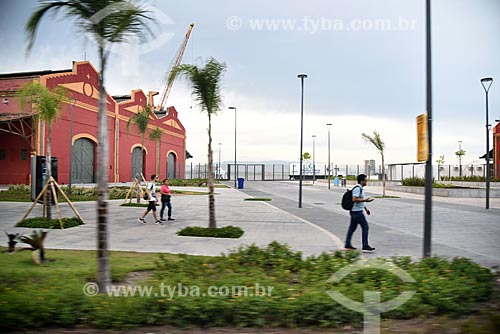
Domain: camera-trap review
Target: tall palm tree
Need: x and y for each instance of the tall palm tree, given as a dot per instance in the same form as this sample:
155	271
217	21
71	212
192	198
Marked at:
109	21
380	146
205	83
141	121
47	106
156	136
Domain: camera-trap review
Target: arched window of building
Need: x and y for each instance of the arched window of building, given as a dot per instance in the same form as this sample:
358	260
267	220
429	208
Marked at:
83	161
171	169
138	163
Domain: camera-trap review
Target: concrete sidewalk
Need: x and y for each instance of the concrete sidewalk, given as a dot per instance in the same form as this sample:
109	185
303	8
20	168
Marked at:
261	222
460	227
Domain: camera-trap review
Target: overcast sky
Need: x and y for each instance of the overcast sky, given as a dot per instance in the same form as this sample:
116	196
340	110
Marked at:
365	61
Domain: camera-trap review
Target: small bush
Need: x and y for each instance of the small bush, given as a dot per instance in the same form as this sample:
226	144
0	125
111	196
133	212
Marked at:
259	199
469	178
420	182
413	182
40	222
220	232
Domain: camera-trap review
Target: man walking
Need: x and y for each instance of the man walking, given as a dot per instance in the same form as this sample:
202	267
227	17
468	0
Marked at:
357	215
151	189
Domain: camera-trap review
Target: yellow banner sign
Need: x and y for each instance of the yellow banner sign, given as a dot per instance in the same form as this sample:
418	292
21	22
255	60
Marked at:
423	146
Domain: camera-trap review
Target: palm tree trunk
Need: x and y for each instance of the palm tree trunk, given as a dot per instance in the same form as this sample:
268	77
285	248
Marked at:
48	165
383	175
158	160
141	168
103	269
211	198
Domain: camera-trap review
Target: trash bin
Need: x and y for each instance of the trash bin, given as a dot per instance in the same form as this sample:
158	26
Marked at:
241	181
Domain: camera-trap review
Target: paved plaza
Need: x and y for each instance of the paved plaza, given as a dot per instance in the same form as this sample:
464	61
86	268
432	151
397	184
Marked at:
461	227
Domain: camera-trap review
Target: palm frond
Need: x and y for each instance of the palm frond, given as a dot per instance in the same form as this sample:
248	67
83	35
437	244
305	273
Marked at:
205	83
375	140
111	21
141	119
43	101
156	134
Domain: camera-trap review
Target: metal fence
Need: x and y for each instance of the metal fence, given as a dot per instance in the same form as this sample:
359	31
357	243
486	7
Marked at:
277	172
396	172
250	172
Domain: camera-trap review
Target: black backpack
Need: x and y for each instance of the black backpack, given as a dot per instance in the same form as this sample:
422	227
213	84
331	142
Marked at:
347	202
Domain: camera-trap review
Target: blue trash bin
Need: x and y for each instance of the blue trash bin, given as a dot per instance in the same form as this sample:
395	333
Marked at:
241	181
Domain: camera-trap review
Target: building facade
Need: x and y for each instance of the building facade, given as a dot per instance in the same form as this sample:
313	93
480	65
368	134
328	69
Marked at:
496	150
74	133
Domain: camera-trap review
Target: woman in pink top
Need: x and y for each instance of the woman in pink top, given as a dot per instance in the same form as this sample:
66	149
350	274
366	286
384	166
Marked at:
165	201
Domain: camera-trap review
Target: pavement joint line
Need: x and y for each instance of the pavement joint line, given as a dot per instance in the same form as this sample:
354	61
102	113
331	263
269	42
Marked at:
336	240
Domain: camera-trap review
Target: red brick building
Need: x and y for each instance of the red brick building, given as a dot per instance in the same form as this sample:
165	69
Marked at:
496	150
22	134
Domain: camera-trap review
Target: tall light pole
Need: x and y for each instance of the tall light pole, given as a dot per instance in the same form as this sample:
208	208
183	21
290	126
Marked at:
428	165
73	100
460	157
220	144
486	83
235	165
314	157
301	77
329	126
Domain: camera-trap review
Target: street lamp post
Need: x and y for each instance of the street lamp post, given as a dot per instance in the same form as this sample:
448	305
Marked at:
428	165
314	158
218	171
71	143
329	126
486	83
235	165
460	157
301	77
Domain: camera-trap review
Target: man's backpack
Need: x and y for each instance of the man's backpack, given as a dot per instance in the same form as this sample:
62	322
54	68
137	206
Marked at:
347	202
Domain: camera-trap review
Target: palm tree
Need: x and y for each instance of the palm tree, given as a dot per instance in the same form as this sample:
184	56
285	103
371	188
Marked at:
205	83
141	121
380	146
47	106
156	136
460	153
440	163
109	21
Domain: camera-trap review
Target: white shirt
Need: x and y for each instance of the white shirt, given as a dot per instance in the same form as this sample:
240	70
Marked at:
152	191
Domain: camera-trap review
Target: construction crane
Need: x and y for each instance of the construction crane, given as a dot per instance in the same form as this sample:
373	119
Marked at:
169	83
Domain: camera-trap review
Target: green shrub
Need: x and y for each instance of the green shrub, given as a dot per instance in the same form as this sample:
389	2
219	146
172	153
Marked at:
40	222
420	182
220	232
19	188
469	178
258	199
413	182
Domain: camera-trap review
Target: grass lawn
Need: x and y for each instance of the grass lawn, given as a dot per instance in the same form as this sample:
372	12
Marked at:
41	298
